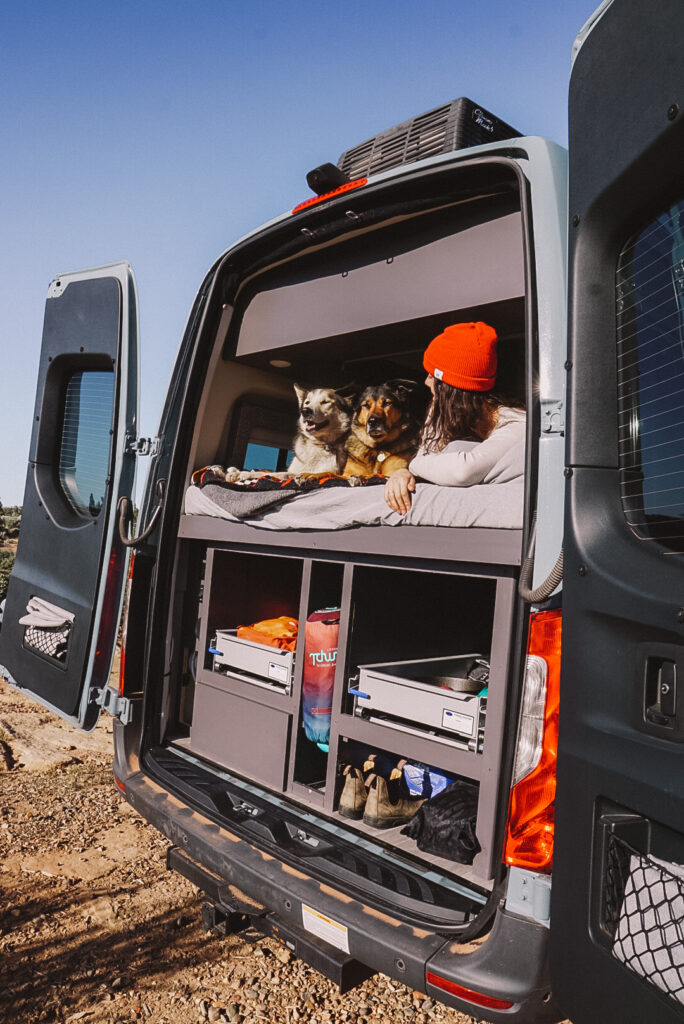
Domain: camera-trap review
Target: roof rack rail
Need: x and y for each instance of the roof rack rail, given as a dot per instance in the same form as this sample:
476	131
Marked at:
456	125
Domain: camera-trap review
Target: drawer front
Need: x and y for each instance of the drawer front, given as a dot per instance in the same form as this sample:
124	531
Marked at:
249	738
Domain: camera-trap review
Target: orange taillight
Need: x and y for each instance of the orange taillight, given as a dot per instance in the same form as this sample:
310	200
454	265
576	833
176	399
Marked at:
529	833
347	187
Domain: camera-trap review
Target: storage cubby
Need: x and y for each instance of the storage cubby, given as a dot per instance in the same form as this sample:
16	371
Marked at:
310	761
408	614
352	753
242	588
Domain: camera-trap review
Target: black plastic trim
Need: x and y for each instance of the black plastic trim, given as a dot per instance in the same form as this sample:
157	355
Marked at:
274	830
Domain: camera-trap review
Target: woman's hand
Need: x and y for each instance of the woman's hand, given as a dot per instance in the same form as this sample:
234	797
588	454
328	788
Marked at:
398	490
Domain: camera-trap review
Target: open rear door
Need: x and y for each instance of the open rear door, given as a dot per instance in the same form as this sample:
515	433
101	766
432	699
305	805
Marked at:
65	592
617	914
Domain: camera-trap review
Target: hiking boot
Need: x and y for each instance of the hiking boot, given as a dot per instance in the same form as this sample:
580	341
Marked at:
389	802
353	798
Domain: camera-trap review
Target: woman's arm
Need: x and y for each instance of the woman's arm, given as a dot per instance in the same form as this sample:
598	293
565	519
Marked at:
464	468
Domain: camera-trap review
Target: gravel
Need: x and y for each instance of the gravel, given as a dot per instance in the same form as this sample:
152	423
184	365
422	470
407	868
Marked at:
94	928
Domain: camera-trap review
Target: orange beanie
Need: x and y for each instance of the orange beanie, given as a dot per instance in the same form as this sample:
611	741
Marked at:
464	355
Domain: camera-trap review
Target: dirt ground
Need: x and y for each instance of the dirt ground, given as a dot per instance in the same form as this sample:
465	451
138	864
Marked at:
94	928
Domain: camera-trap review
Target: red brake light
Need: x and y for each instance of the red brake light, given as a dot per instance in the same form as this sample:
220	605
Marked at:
122	666
529	833
120	785
478	998
347	187
109	620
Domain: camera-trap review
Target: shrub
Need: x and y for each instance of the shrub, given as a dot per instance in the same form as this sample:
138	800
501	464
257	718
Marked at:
6	564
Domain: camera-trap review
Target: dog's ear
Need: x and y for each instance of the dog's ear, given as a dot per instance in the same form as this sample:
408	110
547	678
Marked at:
301	393
403	388
349	392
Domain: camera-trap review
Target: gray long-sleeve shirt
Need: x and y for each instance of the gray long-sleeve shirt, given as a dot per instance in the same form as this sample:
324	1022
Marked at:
463	463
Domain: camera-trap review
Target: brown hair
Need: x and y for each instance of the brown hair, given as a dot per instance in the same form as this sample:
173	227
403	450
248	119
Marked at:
458	415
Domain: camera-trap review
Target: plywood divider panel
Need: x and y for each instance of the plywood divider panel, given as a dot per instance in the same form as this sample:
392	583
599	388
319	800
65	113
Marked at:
340	684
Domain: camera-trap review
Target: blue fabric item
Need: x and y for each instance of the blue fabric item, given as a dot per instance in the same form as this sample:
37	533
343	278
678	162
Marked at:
423	781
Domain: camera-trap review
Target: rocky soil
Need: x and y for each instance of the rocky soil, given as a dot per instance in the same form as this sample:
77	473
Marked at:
94	928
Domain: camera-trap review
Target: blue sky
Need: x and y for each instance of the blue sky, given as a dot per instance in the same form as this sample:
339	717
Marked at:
160	132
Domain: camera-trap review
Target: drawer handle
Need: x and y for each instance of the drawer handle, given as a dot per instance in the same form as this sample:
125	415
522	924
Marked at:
359	693
212	650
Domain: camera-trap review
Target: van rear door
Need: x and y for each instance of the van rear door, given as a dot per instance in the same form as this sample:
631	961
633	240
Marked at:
617	940
65	592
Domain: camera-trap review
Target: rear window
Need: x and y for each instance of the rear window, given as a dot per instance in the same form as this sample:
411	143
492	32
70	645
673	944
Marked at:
86	440
650	340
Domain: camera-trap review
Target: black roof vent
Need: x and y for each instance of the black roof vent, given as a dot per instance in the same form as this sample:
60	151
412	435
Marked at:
457	125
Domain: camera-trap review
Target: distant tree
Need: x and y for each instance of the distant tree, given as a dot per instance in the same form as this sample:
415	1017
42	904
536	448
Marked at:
6	564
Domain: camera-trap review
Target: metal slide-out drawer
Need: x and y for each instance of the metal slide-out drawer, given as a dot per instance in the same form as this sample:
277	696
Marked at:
272	664
419	693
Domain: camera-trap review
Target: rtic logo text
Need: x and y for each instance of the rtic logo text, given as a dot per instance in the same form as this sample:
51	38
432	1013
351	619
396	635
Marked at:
484	122
320	657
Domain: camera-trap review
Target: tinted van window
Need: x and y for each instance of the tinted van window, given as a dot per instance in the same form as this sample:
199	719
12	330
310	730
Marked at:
86	440
650	339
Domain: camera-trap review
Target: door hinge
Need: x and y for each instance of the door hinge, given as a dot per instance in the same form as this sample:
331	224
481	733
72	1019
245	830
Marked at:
114	704
552	416
142	445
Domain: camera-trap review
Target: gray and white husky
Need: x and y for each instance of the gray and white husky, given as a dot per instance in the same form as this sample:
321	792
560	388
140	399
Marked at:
323	425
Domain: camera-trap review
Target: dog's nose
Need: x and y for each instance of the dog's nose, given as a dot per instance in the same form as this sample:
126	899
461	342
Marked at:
375	421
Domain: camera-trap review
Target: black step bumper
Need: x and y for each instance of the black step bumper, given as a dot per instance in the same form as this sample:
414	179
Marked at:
511	964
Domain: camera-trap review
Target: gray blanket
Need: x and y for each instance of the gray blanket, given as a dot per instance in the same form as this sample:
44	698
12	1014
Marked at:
497	504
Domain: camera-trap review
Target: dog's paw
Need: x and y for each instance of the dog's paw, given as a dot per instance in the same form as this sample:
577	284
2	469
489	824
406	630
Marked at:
243	476
232	474
355	481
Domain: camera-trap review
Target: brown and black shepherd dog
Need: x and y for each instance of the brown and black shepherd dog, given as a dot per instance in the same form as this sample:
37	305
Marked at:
384	431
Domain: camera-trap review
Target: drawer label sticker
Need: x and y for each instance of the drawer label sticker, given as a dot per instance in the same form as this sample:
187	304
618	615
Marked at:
278	672
332	932
458	722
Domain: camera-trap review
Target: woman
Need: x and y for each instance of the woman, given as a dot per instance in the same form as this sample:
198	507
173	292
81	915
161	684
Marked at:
461	368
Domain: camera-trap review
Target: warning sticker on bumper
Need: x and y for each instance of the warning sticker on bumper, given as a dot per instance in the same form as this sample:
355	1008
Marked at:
325	928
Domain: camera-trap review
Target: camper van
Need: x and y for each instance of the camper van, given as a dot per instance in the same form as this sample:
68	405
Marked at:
419	775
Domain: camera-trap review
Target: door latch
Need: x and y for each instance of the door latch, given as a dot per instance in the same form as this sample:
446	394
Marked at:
142	445
661	692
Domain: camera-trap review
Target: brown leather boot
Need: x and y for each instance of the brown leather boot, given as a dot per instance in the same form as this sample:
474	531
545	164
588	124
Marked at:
353	798
389	803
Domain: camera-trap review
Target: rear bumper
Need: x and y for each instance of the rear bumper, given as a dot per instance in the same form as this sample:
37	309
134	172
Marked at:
511	964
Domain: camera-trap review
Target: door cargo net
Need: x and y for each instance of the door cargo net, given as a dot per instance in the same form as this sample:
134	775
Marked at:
47	628
643	911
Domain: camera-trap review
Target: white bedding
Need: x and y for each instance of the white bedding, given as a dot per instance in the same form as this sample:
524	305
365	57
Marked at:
497	504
